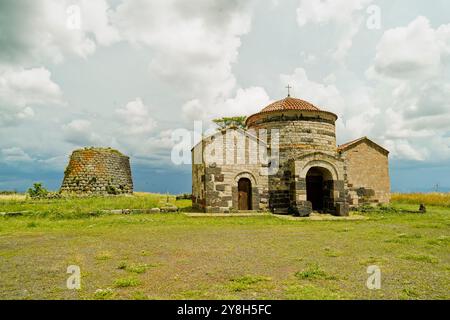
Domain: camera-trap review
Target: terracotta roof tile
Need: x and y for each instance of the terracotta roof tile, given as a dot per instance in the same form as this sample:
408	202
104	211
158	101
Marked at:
287	104
290	104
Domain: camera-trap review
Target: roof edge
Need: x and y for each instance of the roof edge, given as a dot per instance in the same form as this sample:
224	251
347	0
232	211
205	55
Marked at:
354	143
262	113
240	130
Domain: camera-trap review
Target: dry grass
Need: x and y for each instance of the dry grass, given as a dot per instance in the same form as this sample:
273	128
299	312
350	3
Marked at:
430	199
7	197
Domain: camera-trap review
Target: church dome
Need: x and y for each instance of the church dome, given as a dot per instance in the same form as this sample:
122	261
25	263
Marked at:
290	104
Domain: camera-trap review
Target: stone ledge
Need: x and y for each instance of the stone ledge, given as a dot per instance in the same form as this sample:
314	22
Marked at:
322	217
229	215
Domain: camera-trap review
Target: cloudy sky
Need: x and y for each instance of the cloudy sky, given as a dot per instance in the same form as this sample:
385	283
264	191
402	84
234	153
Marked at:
127	73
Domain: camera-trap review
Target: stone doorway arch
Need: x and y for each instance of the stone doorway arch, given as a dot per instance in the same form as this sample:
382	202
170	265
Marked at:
319	188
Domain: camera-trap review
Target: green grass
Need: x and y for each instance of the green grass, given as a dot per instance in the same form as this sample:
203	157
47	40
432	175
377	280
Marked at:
172	256
102	294
420	258
85	207
314	272
138	268
126	282
246	282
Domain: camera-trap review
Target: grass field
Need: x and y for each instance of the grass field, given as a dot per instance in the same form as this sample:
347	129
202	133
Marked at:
172	256
441	199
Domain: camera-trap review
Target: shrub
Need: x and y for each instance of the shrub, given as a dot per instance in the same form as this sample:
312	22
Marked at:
38	191
314	272
8	192
184	196
230	122
246	282
31	224
139	268
112	190
101	294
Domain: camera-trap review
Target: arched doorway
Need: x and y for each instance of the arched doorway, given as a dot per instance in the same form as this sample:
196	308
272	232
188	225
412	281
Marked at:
319	184
245	194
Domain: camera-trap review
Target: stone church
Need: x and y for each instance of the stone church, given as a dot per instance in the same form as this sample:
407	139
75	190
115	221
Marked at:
301	169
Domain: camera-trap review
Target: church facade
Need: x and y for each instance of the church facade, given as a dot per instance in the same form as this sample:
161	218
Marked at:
286	161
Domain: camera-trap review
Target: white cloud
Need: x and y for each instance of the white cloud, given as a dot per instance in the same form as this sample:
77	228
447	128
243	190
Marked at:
410	73
21	89
325	11
346	16
80	133
96	20
244	103
194	42
137	118
194	46
403	149
357	113
321	95
308	58
14	155
35	32
416	50
330	79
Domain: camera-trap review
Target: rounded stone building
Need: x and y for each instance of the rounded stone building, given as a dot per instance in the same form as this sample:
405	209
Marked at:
98	171
306	136
309	172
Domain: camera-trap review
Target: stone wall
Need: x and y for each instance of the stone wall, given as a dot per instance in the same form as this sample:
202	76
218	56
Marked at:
98	171
300	133
198	187
224	160
333	173
367	174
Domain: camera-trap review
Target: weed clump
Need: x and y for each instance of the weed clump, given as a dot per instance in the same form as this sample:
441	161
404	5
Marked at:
313	272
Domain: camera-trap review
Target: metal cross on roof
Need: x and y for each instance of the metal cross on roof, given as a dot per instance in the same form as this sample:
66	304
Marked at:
289	90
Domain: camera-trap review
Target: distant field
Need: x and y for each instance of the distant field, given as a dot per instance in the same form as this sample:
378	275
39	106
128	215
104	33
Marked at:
172	256
435	199
12	197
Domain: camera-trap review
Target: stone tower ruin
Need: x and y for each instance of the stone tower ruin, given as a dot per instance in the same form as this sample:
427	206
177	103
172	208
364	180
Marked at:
98	171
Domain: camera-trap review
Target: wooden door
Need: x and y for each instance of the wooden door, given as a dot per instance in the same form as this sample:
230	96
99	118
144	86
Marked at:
245	196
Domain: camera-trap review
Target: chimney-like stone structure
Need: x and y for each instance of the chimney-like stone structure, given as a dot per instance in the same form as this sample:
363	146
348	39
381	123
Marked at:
98	171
